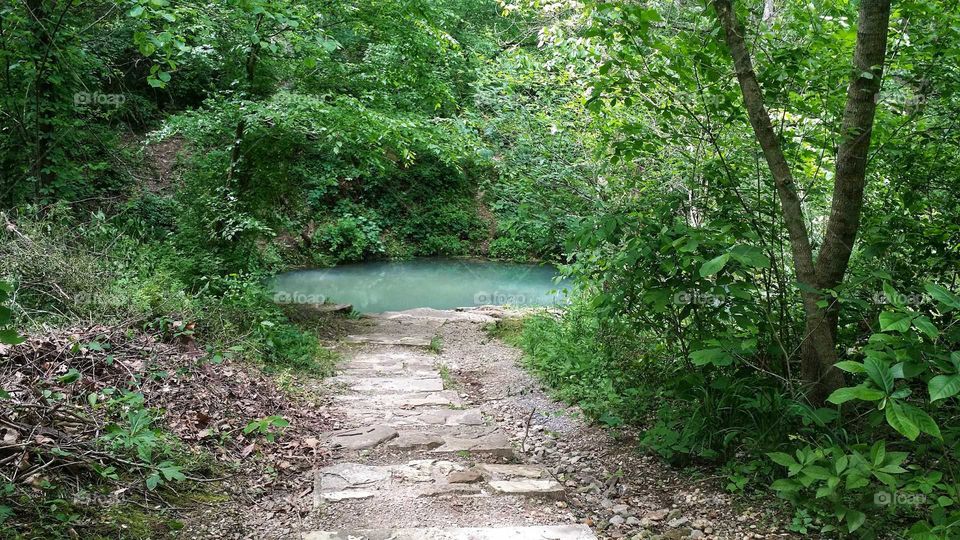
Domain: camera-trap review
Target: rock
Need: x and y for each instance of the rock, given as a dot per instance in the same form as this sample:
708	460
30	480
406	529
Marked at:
657	515
464	477
495	443
337	496
348	475
361	438
498	471
416	441
617	520
676	534
542	488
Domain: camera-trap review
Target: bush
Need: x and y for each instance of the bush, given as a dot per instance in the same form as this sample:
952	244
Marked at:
350	238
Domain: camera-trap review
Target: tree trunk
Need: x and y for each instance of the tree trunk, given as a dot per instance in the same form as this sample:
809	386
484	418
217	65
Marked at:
818	348
236	155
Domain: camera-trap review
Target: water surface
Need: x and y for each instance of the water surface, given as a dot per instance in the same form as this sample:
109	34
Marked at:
436	283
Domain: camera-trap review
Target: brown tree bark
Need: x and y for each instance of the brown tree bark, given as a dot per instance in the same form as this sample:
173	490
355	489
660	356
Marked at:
818	348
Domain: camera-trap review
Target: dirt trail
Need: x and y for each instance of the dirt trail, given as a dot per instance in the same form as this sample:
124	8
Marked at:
462	444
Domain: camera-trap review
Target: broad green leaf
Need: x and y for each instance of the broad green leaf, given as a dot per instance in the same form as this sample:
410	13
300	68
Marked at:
714	265
864	393
879	373
750	256
855	519
895	321
943	295
899	420
781	458
923	324
922	420
716	357
817	472
850	366
786	484
943	386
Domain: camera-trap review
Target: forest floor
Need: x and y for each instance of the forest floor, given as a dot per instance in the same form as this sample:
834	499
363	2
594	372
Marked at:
439	433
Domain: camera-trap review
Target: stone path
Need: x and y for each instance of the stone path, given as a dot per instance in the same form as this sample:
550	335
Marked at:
417	461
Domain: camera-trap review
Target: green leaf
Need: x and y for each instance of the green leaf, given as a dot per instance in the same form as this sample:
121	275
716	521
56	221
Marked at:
153	481
715	356
943	386
817	472
855	518
879	373
851	367
69	377
943	295
895	321
786	484
899	420
892	295
923	324
864	393
714	265
10	337
136	11
781	458
750	256
922	420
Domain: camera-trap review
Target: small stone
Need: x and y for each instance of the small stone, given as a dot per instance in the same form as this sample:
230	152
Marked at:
617	520
657	515
464	477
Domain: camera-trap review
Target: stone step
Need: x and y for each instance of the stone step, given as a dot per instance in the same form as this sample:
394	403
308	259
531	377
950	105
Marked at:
544	532
405	400
423	478
528	488
395	385
493	444
379	369
418	417
360	438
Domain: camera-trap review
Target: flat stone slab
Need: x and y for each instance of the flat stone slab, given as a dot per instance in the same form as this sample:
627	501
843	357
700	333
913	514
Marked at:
394	385
417	441
414	479
421	417
390	339
539	488
554	532
350	494
416	331
497	471
495	443
350	475
409	368
406	400
361	438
